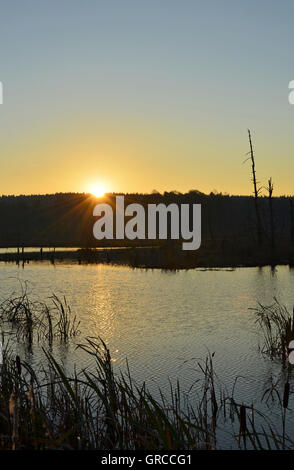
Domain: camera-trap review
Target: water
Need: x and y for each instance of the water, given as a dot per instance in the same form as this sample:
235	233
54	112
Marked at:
34	249
164	322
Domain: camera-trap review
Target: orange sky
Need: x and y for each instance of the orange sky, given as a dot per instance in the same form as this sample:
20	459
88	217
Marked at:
136	98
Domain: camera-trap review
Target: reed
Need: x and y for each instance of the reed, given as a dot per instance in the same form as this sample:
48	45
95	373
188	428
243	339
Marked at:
277	325
35	321
67	325
99	409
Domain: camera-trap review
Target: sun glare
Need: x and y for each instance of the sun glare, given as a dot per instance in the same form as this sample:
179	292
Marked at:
97	191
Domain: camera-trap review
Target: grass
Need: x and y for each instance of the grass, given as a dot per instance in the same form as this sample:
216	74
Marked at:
37	321
277	326
101	410
96	408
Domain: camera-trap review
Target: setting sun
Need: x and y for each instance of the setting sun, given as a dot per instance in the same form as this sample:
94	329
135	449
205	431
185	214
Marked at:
97	191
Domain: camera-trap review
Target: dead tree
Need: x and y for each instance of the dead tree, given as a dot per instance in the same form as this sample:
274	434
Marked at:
270	190
256	191
291	219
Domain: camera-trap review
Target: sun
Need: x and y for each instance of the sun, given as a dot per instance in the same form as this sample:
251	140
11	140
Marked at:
97	191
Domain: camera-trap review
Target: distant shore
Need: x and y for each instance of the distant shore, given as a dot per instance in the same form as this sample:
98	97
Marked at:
154	257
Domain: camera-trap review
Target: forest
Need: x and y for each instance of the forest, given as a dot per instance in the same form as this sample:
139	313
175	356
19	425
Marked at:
231	232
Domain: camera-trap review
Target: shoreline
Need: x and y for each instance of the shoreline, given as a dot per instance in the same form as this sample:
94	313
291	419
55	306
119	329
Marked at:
142	257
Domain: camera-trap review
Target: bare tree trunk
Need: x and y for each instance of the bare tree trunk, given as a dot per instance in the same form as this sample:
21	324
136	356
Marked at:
270	193
256	191
292	219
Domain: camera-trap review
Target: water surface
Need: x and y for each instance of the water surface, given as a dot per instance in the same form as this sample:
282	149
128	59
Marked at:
164	322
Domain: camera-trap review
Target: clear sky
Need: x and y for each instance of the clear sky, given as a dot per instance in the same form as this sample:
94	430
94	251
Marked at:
140	95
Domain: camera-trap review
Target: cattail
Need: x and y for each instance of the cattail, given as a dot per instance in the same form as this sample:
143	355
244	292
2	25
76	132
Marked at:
13	411
18	365
286	395
243	425
76	386
12	404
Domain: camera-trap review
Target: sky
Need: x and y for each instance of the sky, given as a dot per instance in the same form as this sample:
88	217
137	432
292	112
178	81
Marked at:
136	96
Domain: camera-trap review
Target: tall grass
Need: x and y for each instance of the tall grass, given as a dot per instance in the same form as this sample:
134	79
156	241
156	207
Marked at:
99	409
277	325
34	320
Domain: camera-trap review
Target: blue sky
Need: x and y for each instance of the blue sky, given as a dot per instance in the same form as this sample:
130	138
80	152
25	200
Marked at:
140	95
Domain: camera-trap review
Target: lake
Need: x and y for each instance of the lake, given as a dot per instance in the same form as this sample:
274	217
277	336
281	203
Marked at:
164	322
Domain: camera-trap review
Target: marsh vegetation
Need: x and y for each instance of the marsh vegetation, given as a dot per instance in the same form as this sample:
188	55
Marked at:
98	408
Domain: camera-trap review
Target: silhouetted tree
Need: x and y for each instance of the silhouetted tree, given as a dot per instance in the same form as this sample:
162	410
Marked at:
256	190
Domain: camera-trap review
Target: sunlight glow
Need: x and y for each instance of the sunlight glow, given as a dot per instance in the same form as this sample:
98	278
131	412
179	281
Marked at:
97	191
